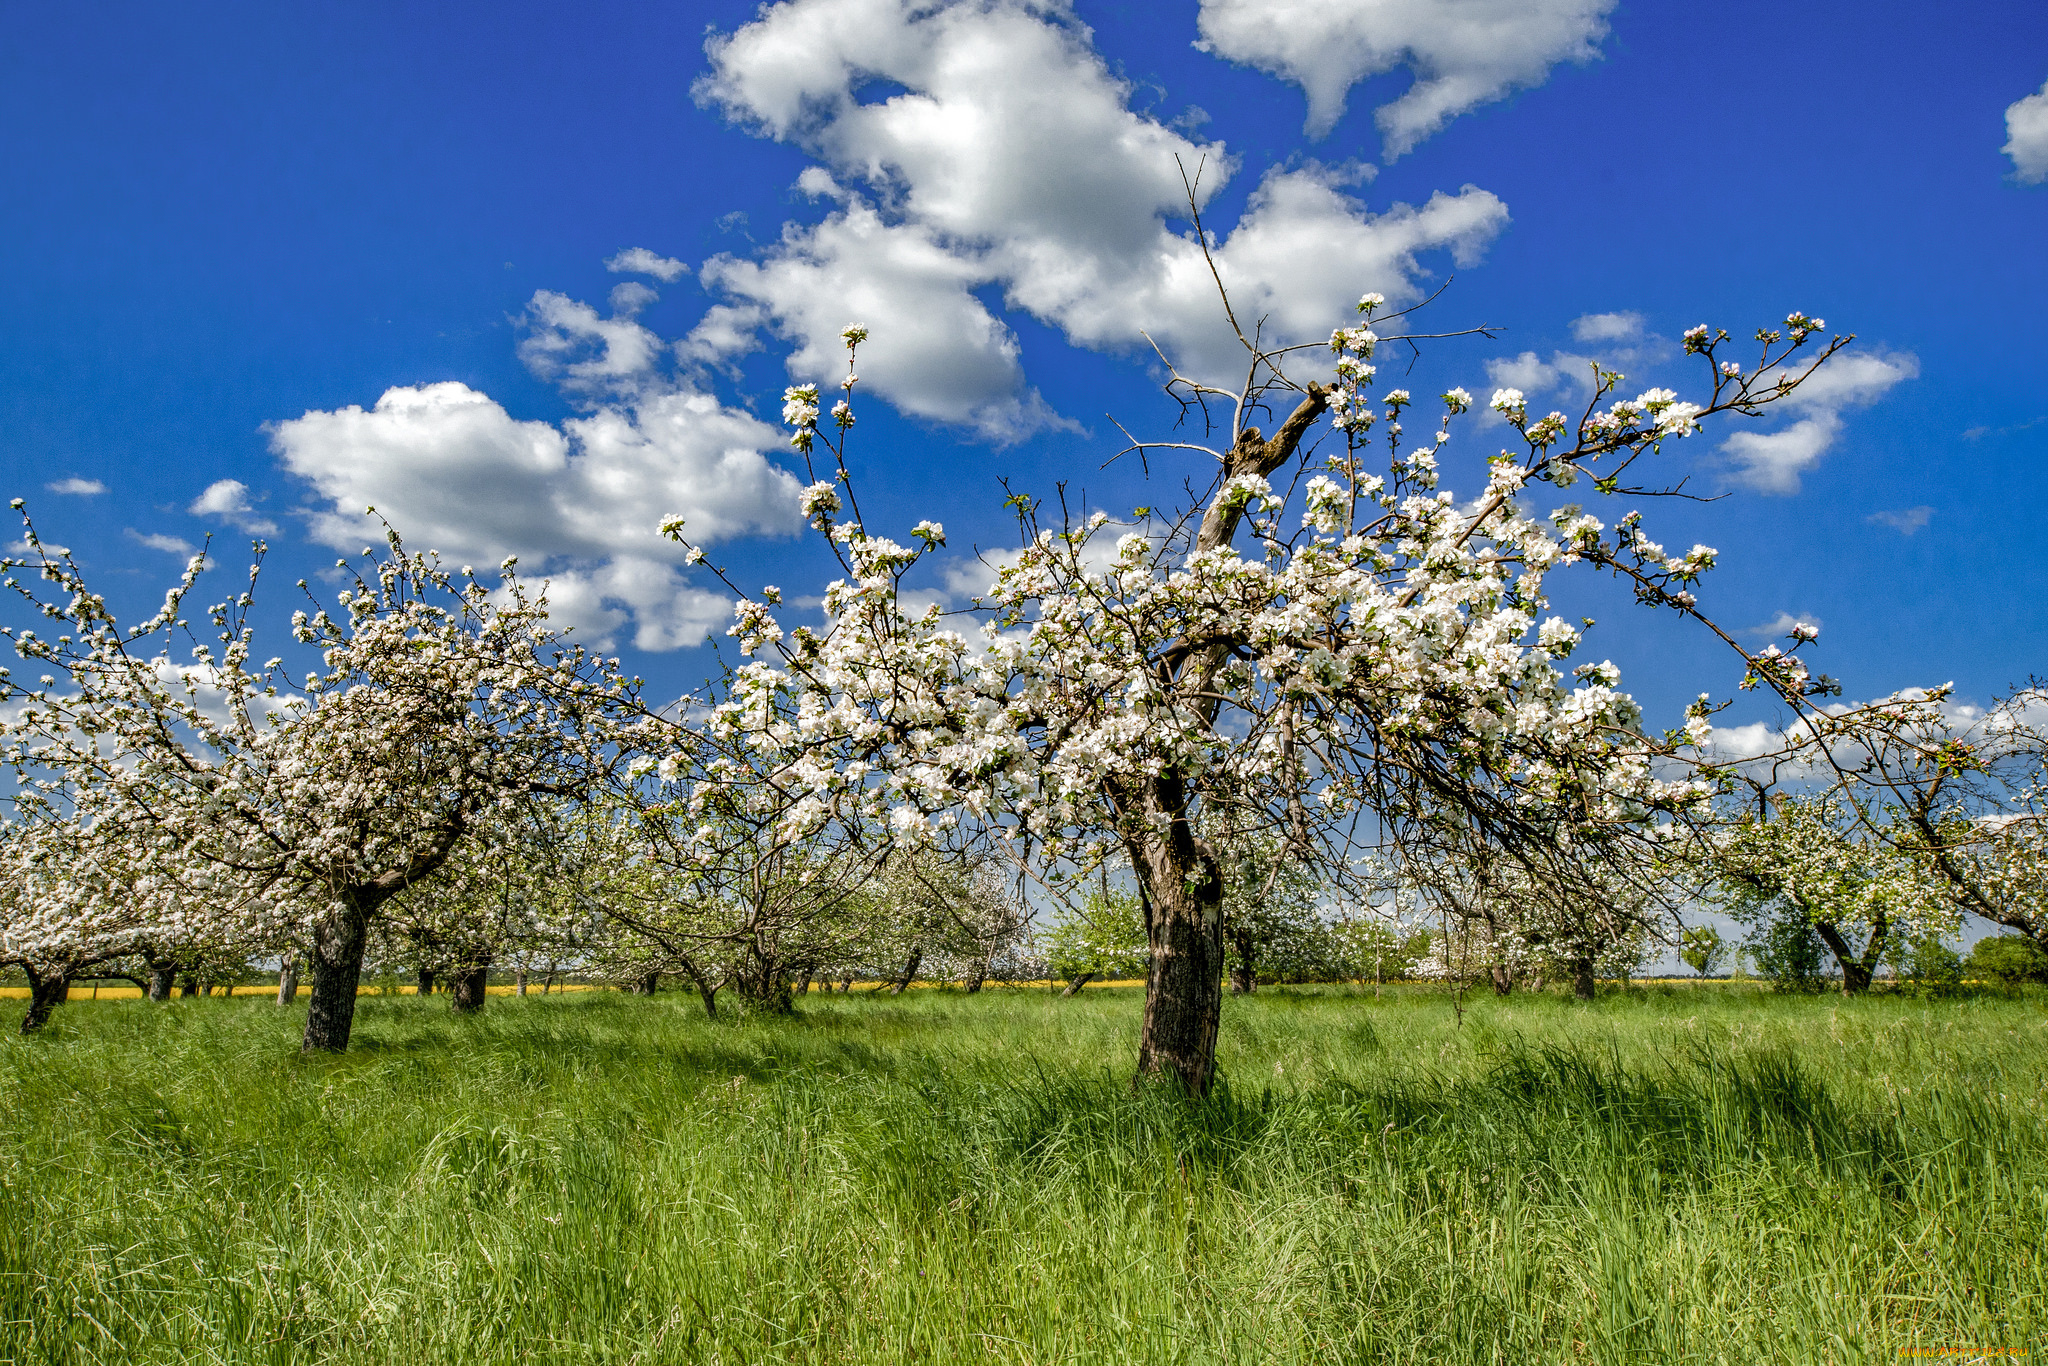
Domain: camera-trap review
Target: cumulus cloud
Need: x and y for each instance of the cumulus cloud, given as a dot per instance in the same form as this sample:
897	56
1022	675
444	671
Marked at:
1462	53
1905	521
2026	127
578	503
76	487
1597	327
229	499
1008	158
156	540
641	261
1772	462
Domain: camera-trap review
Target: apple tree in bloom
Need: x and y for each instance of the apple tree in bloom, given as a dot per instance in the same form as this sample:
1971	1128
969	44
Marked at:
292	811
1324	639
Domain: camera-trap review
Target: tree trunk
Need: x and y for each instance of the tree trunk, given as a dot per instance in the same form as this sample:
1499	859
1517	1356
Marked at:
288	980
338	946
1856	971
45	994
1582	978
1075	983
426	982
1181	891
162	977
902	983
1503	979
520	978
647	985
846	985
980	977
188	987
803	988
469	990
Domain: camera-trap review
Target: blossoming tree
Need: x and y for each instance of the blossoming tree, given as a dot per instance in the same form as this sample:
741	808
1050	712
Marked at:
295	812
1325	638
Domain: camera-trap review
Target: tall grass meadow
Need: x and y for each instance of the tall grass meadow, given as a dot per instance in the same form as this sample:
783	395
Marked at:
1681	1174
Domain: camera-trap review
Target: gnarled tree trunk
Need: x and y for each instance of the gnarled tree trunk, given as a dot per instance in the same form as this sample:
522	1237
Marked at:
427	979
909	975
1181	890
470	990
647	985
46	991
1503	979
338	945
162	977
1582	977
288	980
1857	969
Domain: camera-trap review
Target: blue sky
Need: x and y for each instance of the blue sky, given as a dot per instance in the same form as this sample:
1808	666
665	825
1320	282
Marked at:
225	225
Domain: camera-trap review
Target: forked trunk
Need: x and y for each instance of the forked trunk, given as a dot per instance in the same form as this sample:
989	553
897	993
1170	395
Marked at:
428	977
288	980
1077	982
1857	969
162	977
1183	902
469	990
46	991
338	946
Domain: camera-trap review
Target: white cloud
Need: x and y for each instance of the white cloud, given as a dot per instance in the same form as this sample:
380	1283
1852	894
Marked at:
156	540
229	498
1905	521
1772	462
1782	624
641	261
1595	327
1462	53
43	550
2026	127
578	504
568	342
76	487
1009	158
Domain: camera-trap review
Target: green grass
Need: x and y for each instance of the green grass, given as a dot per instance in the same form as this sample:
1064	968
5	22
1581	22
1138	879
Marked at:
1677	1175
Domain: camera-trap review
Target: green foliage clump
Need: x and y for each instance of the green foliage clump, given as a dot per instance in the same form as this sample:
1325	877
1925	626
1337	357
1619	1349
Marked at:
2008	959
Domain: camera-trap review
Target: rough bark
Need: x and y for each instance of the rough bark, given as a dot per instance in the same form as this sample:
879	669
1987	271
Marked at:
288	980
1181	890
46	991
706	988
162	977
427	980
338	946
1075	984
909	974
469	995
647	985
1582	978
1857	969
520	978
1503	979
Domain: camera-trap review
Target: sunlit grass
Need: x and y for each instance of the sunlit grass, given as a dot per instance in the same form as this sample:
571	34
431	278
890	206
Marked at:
1676	1175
